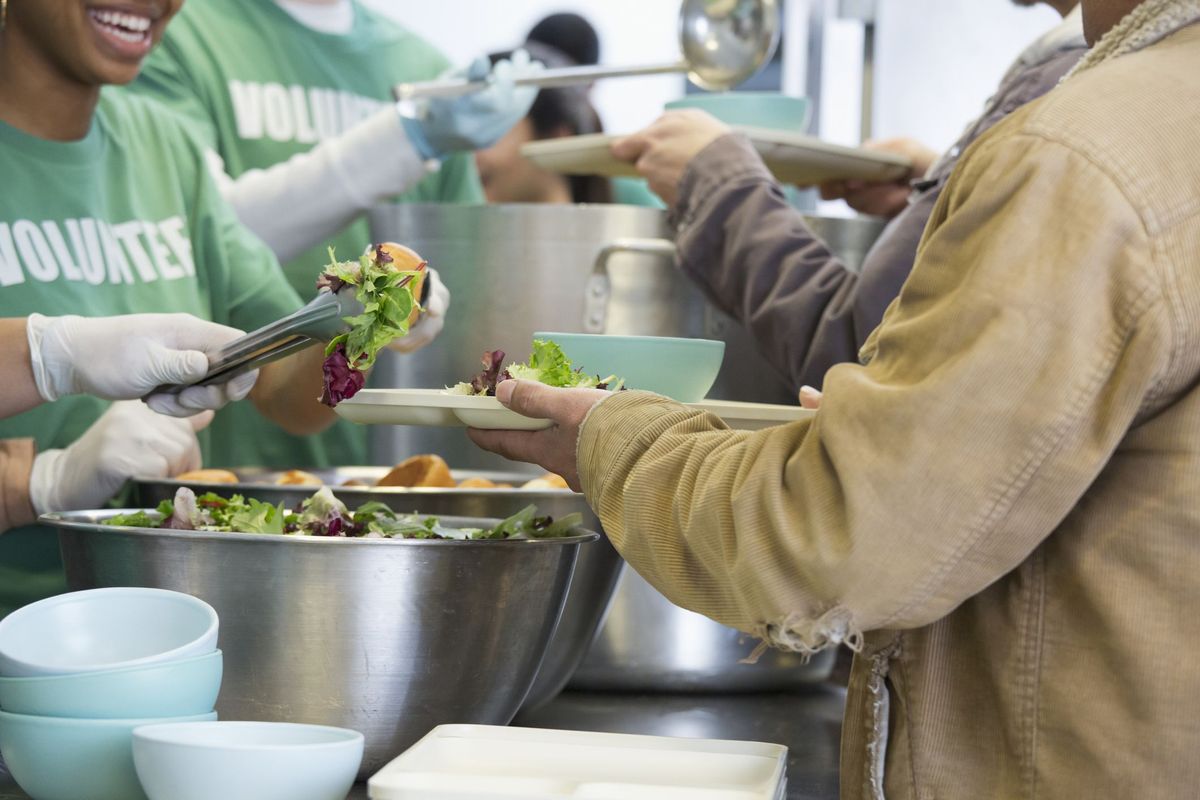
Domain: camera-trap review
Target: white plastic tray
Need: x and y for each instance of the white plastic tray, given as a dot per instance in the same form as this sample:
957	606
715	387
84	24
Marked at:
791	158
484	762
433	407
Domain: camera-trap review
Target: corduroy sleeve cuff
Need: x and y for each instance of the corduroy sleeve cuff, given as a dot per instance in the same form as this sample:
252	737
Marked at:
617	432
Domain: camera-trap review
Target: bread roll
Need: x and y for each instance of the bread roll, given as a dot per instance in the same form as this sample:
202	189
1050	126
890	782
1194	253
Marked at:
207	476
426	470
547	481
477	483
296	477
406	259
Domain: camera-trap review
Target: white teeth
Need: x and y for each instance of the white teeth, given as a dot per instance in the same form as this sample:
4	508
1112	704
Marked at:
133	23
126	36
128	27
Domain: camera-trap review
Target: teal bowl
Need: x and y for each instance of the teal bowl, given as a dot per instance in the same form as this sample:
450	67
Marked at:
754	109
103	629
75	759
172	689
682	369
246	761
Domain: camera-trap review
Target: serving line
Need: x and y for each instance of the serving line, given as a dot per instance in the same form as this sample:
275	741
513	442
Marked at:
807	722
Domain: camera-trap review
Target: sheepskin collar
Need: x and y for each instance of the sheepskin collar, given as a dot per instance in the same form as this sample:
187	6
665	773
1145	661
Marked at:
1150	22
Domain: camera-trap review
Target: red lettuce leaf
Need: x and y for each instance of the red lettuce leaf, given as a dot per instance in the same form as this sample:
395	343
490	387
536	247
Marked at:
485	382
342	381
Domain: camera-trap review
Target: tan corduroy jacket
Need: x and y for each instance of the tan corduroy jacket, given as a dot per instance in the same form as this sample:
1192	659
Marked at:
1001	509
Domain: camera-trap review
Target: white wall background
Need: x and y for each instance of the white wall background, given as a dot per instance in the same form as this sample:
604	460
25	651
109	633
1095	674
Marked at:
938	60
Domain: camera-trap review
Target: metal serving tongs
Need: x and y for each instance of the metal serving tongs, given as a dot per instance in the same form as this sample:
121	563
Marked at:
320	320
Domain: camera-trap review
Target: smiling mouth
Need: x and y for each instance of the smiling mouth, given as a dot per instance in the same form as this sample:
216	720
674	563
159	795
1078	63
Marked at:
132	30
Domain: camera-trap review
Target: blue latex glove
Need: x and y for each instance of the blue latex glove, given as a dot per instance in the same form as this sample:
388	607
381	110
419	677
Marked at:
448	125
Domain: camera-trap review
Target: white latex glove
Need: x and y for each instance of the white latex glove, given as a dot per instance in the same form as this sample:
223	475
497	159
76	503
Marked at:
432	319
127	357
128	441
445	125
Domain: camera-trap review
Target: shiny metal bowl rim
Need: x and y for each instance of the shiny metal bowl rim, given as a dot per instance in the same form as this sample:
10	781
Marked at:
88	521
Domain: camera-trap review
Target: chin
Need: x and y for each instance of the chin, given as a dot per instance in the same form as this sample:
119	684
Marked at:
111	73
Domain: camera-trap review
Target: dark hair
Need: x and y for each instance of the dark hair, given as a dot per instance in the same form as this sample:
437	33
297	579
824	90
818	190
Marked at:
567	108
571	35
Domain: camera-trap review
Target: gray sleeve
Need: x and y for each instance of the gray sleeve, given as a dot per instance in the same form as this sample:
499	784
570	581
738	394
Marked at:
754	257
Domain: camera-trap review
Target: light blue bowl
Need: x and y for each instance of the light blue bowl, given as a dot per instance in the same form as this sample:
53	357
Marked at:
174	689
75	759
755	109
246	761
682	369
102	629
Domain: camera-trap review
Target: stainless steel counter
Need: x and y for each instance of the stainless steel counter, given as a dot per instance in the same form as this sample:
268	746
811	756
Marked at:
808	722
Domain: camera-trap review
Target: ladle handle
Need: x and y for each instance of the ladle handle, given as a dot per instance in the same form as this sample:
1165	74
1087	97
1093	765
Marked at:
547	79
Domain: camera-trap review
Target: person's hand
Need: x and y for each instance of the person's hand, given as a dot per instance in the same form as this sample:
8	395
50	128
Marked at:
128	441
128	357
810	398
883	199
662	152
554	448
445	125
432	319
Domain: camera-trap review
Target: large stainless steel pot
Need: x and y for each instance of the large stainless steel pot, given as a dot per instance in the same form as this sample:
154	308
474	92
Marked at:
596	570
386	637
511	270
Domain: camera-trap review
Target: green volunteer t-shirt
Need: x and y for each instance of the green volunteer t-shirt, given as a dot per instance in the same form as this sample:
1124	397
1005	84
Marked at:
262	88
126	220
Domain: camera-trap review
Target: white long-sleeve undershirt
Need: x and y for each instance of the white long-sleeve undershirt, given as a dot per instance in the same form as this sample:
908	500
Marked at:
301	202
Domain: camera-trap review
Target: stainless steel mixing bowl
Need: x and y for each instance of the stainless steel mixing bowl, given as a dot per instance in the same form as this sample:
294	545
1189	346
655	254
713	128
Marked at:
596	571
387	637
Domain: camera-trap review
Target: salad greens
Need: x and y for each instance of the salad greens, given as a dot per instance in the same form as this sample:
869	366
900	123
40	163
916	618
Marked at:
324	515
142	519
547	364
386	294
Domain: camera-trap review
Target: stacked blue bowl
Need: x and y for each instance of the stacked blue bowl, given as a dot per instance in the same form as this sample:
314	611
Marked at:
80	671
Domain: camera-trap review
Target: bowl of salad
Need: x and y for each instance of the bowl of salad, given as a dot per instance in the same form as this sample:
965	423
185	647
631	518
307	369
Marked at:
366	618
679	368
440	489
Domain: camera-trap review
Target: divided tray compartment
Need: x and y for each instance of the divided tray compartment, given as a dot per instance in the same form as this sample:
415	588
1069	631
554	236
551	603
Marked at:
480	762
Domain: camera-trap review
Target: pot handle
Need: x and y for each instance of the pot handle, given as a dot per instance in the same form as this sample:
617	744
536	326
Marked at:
595	312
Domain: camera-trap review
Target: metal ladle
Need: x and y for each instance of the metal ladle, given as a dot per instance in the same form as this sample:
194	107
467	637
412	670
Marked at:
723	43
